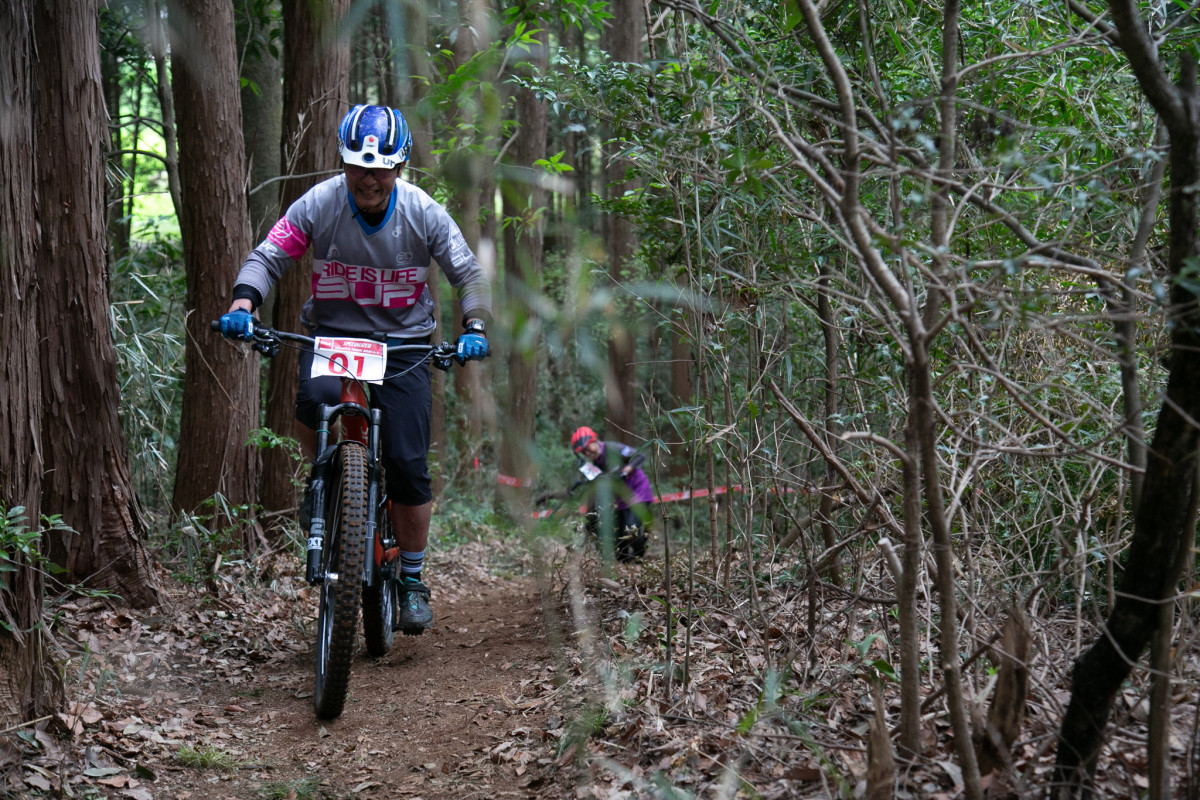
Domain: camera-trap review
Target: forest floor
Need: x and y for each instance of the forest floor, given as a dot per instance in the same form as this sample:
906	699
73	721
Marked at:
571	685
209	696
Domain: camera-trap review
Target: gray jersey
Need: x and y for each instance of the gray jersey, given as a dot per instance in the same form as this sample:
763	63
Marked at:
365	278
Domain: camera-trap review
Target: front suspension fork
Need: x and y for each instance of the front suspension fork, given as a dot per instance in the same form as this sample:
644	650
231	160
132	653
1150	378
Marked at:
316	528
316	531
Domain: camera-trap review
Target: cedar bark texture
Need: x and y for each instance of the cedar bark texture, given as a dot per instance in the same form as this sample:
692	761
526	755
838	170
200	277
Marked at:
316	68
220	400
86	476
23	693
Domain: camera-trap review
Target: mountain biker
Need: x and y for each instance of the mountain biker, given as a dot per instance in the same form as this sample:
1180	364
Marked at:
373	237
633	497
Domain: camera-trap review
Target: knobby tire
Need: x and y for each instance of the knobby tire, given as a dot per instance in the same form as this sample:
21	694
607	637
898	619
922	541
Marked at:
381	602
345	556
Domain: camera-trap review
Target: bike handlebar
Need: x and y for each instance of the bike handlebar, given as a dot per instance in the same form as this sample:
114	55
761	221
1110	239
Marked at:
266	341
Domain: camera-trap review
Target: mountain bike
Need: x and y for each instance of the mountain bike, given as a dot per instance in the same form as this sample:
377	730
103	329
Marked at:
624	537
352	553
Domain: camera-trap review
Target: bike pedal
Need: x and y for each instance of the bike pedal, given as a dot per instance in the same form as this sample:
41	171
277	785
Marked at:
412	631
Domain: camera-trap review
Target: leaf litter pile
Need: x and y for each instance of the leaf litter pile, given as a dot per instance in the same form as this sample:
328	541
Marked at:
547	675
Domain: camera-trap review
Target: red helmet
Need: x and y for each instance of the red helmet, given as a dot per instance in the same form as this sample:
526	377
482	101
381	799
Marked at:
581	438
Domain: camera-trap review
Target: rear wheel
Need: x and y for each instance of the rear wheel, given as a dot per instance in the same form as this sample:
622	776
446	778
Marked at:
380	602
343	560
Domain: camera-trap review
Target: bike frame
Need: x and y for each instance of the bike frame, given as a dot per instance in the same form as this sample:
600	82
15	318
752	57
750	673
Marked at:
360	426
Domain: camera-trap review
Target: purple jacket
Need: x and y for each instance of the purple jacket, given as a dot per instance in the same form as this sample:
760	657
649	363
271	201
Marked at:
636	481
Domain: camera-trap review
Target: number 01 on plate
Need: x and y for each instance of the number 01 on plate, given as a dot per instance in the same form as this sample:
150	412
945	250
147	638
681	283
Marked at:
354	358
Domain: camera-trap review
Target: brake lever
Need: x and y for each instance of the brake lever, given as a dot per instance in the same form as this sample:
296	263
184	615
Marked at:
269	347
443	356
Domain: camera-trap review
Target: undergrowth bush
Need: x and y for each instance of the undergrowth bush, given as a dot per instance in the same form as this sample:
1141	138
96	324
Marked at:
147	316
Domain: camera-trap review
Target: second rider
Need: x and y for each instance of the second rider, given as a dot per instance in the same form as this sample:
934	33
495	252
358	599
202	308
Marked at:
373	238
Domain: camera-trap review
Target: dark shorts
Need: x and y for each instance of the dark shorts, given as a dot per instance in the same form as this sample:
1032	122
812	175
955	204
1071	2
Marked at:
627	529
406	400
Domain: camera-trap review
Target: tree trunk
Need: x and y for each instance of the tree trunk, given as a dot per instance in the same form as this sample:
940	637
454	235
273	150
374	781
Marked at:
166	105
116	222
87	475
220	399
832	339
1162	514
623	40
24	691
922	408
682	363
262	122
409	97
906	593
523	265
466	172
316	64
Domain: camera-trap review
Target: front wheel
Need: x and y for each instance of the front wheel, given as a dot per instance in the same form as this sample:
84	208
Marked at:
343	559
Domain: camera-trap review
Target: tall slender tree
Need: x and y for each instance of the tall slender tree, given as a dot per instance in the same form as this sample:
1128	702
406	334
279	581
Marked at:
220	402
23	693
623	41
1164	520
156	36
473	196
316	66
114	54
524	199
87	477
262	108
408	94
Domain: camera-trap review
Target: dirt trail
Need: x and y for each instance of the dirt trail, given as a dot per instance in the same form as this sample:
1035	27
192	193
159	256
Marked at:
467	710
209	697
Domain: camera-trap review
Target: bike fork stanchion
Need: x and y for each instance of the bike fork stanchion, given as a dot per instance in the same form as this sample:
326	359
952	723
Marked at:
373	440
370	568
316	530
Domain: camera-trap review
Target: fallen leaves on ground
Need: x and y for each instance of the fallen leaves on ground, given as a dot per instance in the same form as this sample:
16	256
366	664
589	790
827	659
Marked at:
702	687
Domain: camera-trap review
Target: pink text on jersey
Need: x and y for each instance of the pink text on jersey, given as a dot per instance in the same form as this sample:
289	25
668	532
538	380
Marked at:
368	286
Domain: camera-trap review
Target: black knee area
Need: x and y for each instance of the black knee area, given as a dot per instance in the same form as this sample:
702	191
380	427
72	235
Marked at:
408	482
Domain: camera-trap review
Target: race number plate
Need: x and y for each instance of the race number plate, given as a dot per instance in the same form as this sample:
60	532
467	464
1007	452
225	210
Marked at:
354	358
590	471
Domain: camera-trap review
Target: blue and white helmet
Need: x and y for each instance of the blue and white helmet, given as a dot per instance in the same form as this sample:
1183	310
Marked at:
374	137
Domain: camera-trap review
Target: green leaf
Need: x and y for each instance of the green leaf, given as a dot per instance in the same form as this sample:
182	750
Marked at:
791	14
746	723
885	668
865	645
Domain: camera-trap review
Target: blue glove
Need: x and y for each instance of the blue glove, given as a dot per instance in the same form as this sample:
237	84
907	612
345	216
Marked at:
238	324
471	347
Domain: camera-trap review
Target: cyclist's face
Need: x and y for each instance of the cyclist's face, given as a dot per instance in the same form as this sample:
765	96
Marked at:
371	188
592	451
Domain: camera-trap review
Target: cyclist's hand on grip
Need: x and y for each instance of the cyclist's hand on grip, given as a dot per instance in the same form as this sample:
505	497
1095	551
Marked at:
471	347
238	324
